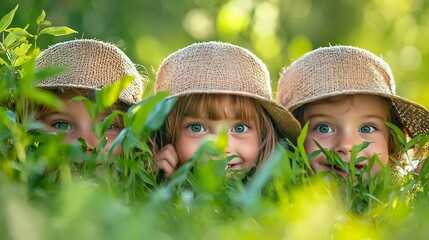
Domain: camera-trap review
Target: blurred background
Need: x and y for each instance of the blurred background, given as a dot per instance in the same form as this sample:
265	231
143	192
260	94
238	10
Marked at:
278	31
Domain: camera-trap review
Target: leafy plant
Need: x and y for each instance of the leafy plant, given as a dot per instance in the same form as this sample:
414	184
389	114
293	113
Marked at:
51	189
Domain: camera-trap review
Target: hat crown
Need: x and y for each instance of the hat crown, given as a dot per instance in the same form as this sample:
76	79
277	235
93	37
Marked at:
90	64
335	70
213	67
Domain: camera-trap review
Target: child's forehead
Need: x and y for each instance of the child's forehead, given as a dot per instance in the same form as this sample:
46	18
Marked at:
344	103
355	99
225	112
219	106
69	93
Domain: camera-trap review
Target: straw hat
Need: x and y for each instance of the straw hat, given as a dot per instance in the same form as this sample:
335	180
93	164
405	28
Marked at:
339	70
223	68
90	64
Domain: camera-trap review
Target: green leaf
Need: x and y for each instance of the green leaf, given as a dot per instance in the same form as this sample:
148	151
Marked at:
397	133
19	32
21	60
42	97
424	171
101	127
11	115
7	19
41	18
253	192
300	144
46	23
356	149
159	113
49	72
412	142
57	31
12	40
22	49
109	94
139	112
118	140
90	105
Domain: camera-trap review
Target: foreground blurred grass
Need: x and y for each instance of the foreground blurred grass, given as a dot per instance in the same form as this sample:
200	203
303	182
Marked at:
49	189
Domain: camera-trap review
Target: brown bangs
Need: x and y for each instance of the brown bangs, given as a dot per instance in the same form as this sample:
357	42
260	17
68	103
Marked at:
218	106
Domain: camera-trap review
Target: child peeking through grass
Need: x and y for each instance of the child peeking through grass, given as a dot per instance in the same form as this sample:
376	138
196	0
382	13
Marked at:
88	66
220	87
347	94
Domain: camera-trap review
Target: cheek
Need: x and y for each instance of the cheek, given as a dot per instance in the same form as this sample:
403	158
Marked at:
117	151
68	138
325	141
309	144
111	138
249	149
381	148
186	147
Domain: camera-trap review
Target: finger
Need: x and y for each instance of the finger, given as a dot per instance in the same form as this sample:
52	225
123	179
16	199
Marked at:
165	166
168	153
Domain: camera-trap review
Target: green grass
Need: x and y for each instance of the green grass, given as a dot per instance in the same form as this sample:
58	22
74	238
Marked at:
49	189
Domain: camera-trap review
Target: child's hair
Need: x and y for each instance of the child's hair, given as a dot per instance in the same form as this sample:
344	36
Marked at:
212	106
392	118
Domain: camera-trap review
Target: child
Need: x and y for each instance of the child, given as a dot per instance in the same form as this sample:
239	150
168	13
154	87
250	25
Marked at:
347	94
219	86
89	65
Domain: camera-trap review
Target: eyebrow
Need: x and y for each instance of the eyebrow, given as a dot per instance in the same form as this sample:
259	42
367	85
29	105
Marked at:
364	116
317	115
47	112
376	116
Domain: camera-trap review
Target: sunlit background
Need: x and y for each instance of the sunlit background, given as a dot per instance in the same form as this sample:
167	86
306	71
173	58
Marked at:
278	31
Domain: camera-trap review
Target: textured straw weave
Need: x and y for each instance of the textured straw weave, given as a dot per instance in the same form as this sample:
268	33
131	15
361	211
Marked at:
223	68
90	64
339	70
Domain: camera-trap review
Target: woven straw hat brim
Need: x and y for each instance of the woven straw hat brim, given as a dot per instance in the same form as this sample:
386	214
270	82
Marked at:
281	117
346	70
90	64
223	68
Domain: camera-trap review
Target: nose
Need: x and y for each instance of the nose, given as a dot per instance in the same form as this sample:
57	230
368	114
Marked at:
344	143
231	147
221	138
90	140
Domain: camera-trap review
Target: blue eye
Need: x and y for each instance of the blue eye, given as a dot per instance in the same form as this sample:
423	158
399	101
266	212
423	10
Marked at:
367	129
240	128
62	126
195	127
324	128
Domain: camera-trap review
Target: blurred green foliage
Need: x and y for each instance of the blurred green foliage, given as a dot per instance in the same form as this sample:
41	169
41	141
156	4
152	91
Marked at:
277	31
51	189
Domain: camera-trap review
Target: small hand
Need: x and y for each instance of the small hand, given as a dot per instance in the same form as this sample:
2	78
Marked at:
167	160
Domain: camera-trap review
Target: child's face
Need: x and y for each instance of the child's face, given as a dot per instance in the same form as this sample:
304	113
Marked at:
75	122
340	125
243	139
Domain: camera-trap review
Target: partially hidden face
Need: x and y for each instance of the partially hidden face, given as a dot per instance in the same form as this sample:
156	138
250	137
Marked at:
197	117
341	124
243	139
76	123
